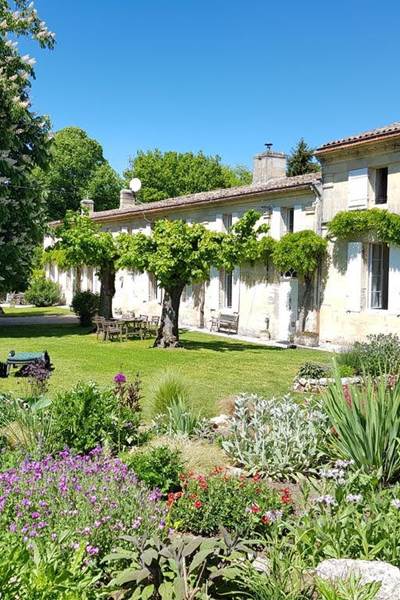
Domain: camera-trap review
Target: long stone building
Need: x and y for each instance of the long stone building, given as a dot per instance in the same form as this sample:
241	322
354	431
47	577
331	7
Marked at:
357	293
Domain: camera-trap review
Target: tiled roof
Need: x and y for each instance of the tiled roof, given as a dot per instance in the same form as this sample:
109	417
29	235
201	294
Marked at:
215	196
381	132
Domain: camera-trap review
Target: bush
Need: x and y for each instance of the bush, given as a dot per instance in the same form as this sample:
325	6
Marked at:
158	467
85	305
366	425
380	354
43	292
312	371
87	416
93	497
238	504
278	437
169	390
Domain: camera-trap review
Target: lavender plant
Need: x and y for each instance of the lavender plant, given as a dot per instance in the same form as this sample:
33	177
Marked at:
277	437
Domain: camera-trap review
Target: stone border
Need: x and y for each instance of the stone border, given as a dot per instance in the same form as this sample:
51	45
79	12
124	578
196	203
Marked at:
303	384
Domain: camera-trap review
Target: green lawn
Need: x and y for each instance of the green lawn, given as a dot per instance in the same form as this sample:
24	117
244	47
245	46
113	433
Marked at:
214	367
33	311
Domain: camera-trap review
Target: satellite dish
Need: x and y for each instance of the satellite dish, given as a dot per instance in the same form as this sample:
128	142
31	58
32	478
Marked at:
135	184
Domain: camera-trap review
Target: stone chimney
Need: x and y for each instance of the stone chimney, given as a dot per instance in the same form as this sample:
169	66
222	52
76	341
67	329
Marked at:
267	165
126	199
87	205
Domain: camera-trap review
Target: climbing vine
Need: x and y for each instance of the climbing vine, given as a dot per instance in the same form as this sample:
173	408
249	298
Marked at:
384	226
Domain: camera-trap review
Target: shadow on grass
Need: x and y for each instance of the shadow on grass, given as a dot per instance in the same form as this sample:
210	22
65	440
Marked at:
224	345
32	331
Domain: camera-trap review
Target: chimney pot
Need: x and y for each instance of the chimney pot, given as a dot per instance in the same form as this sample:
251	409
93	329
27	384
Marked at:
267	165
126	199
87	205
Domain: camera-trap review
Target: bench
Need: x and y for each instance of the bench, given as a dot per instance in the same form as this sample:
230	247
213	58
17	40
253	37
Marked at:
228	322
20	359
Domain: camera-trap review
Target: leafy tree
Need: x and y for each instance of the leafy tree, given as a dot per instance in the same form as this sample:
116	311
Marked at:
179	254
171	174
301	160
79	242
24	143
302	252
77	169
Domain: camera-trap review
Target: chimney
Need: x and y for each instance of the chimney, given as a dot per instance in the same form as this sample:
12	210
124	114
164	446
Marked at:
267	165
87	205
126	199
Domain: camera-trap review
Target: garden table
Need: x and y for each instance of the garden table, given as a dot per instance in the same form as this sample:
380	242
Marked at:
136	325
19	359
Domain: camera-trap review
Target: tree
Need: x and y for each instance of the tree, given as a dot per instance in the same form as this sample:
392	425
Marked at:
178	254
301	160
77	168
301	252
171	174
24	143
79	242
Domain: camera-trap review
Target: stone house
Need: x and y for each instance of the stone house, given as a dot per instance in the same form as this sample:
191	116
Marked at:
356	294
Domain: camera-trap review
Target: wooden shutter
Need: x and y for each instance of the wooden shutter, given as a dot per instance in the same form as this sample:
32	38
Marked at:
299	221
354	278
276	223
358	189
394	279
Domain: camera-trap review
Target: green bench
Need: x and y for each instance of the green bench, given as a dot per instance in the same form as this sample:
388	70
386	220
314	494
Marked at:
19	359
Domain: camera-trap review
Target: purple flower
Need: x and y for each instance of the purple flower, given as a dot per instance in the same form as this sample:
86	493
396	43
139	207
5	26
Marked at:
92	550
35	515
155	495
120	378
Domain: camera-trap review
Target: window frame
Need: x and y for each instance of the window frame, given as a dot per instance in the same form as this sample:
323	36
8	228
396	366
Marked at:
382	286
381	199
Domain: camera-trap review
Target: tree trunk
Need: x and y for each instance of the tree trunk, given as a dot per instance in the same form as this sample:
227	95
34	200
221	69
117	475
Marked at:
78	280
305	304
168	332
107	290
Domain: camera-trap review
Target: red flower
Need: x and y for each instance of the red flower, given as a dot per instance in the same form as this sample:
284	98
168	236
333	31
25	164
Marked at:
254	508
256	477
198	504
265	520
217	470
286	497
172	497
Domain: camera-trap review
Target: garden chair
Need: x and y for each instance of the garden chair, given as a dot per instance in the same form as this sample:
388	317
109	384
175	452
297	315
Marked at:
99	322
144	318
115	329
153	325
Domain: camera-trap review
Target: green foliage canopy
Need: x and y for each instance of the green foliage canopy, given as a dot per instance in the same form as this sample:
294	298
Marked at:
24	144
171	174
384	226
77	169
301	160
301	251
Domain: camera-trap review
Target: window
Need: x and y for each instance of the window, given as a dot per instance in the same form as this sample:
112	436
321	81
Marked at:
154	289
227	288
289	219
378	270
381	185
227	221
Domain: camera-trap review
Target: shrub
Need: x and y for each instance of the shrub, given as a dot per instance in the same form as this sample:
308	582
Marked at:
238	504
380	354
87	416
43	292
158	467
27	426
312	371
169	390
85	305
366	425
93	497
277	437
346	371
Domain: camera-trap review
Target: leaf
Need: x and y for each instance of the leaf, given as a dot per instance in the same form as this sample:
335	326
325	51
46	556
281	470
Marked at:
199	558
129	575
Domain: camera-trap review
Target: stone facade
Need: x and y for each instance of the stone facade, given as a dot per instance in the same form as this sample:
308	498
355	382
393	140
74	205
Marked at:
347	302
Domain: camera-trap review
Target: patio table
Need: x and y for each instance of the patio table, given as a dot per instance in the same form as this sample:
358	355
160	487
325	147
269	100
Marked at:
137	324
15	359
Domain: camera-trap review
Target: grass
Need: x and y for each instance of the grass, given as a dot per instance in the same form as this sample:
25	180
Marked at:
215	368
34	311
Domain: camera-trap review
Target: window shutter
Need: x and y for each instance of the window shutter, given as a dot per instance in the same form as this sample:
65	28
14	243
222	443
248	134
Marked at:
354	277
276	223
358	188
394	280
299	221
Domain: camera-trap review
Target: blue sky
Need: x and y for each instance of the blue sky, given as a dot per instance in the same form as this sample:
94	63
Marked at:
216	75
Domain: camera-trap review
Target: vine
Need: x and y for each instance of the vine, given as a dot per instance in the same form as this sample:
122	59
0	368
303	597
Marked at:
384	226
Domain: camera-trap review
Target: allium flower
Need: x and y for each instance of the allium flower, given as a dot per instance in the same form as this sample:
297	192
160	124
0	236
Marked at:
354	498
327	500
119	378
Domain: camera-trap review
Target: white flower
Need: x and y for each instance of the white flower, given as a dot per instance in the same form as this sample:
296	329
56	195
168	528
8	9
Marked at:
354	498
327	500
396	503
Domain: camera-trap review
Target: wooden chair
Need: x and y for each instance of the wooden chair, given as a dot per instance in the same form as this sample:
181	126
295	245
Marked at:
144	318
153	325
100	326
116	329
228	322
